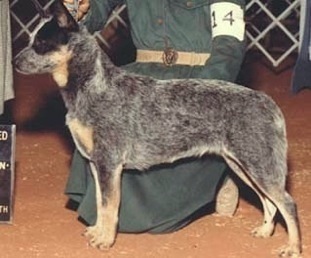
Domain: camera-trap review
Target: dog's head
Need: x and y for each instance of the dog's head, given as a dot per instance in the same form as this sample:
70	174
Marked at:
48	49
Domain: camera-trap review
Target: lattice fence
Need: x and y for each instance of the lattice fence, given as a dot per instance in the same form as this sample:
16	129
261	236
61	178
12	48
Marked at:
272	27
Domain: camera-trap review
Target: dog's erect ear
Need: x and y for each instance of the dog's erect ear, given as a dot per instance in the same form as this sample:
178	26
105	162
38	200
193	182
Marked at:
63	17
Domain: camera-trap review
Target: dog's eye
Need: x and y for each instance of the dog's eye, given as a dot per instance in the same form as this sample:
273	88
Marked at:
42	46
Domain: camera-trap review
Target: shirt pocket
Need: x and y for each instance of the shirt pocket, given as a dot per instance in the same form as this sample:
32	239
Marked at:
189	24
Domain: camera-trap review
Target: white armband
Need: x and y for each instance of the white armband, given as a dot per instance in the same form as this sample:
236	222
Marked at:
227	19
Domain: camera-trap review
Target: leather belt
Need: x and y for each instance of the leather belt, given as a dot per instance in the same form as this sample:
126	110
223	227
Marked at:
171	57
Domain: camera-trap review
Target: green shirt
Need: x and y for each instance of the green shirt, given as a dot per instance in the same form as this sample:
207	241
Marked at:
184	25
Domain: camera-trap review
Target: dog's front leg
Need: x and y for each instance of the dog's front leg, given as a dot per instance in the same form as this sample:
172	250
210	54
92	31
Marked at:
102	235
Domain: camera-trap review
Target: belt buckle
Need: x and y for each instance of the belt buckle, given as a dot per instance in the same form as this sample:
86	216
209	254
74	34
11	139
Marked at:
170	56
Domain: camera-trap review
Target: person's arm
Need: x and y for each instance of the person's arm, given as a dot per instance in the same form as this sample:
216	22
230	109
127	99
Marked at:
94	13
228	39
77	8
99	12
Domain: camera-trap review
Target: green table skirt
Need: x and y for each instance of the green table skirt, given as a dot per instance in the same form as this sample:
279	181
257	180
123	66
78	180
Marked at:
163	199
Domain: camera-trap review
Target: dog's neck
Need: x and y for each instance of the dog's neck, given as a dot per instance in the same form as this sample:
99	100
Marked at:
88	70
88	62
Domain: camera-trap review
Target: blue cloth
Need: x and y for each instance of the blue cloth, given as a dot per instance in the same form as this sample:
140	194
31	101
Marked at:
302	71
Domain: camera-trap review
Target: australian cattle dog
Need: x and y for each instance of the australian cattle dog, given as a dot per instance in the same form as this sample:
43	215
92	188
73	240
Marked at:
124	120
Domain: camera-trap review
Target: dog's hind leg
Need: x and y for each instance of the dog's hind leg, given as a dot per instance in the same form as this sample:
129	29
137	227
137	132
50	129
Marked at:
287	208
273	198
102	235
269	209
278	198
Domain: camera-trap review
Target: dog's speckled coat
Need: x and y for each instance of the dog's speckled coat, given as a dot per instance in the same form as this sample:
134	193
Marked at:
118	120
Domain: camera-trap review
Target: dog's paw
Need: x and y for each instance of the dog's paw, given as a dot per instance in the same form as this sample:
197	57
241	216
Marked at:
97	238
290	251
264	231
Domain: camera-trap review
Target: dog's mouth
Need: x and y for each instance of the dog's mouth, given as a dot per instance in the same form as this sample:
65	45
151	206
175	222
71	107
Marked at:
19	63
27	62
26	69
20	68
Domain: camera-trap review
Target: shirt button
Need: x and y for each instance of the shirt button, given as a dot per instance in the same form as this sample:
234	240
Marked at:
189	4
160	21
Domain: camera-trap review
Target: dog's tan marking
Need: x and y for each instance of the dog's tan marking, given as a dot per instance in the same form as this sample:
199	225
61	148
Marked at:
82	134
60	73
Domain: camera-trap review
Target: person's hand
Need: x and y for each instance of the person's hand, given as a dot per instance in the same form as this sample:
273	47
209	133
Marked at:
83	8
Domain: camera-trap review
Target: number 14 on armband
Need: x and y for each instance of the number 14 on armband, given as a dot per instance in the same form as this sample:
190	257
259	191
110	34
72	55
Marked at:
227	19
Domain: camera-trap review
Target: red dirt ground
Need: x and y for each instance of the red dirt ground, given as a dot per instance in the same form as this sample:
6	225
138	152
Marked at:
43	227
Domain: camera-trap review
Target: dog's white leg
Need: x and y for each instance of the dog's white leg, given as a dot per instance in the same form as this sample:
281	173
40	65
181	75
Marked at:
103	233
273	199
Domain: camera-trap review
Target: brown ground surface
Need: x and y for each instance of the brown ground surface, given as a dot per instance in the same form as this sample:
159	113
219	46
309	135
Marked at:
43	227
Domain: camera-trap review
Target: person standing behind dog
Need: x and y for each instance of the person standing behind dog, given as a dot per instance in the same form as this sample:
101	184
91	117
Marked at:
174	39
